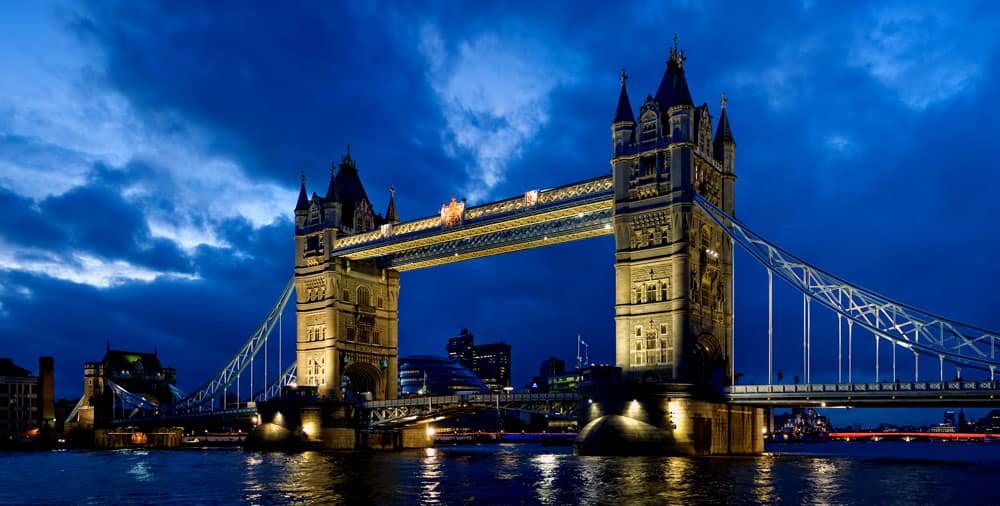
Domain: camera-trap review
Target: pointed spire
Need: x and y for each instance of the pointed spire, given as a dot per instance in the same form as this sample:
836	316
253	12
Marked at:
624	111
391	215
331	189
303	203
673	88
346	160
723	133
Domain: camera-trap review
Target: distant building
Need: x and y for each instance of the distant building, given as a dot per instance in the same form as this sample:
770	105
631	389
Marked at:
552	367
460	348
427	375
949	418
491	362
26	401
991	422
137	372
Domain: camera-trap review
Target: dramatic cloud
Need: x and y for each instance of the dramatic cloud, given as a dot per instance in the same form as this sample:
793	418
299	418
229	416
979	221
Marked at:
150	155
924	55
494	90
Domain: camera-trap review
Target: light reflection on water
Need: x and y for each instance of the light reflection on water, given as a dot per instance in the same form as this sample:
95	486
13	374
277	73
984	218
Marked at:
493	474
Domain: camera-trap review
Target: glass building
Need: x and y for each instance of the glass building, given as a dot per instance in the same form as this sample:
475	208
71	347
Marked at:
429	375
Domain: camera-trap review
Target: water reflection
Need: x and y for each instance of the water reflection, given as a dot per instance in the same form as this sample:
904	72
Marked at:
430	477
547	465
823	475
763	480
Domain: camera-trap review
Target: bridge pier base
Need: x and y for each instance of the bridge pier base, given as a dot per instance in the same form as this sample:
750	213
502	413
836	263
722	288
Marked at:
327	424
666	419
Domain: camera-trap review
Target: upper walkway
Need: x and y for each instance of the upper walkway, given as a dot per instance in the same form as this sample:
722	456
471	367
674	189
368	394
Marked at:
887	394
567	213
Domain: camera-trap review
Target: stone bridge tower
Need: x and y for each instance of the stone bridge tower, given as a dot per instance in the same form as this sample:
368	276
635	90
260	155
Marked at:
673	266
673	285
346	311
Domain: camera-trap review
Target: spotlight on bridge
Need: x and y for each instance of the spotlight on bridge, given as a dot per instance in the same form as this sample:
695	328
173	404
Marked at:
430	431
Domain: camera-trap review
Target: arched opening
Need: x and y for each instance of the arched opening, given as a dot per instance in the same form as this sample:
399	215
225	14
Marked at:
707	363
361	380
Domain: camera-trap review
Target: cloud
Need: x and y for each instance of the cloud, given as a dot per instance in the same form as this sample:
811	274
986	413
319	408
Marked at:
494	91
923	55
80	267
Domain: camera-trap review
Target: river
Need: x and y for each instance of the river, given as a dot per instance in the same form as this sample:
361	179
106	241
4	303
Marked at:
919	473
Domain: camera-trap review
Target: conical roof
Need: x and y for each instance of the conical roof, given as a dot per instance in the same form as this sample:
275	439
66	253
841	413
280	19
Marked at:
723	133
391	215
331	189
303	203
673	88
623	113
350	191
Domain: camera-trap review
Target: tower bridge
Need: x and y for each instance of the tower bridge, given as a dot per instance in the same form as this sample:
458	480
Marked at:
669	202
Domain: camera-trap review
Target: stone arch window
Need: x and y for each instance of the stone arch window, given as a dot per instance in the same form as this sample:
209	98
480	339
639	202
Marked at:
647	130
651	292
364	296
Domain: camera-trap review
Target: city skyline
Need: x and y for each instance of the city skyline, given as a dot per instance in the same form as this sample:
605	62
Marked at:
151	158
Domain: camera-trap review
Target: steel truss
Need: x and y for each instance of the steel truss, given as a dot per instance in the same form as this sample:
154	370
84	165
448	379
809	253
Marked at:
273	390
567	213
577	226
131	401
222	380
403	412
909	327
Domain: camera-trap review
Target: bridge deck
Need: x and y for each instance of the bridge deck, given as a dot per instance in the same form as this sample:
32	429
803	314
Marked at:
898	394
571	212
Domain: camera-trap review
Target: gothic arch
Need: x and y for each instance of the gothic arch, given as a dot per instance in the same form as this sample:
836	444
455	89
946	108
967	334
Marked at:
708	363
359	378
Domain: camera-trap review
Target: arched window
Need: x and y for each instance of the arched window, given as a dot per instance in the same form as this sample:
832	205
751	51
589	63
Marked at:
364	296
651	292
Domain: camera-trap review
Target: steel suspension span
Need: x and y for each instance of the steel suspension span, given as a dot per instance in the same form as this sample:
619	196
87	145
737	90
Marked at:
914	329
227	375
273	390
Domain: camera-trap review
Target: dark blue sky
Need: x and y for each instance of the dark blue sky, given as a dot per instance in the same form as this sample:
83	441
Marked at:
150	154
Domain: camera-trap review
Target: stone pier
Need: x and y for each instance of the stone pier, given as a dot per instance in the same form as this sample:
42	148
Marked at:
666	419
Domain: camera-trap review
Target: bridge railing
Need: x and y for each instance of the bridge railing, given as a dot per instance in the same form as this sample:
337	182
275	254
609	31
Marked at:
911	386
471	399
553	198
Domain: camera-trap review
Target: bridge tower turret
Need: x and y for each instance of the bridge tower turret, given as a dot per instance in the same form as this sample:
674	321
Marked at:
673	267
346	311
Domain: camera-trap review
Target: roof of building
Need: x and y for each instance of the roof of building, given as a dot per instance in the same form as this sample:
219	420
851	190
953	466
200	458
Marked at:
303	203
623	113
119	360
350	191
8	368
673	88
391	215
331	189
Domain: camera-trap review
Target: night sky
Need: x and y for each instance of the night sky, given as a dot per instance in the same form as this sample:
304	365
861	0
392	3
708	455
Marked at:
150	156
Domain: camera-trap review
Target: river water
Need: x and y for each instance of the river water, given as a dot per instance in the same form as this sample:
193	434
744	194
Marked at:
921	473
